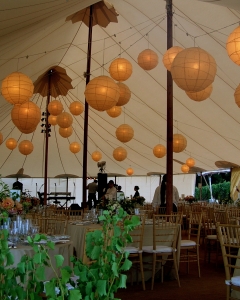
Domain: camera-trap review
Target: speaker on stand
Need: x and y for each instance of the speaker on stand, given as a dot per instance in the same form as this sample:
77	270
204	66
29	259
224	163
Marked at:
102	184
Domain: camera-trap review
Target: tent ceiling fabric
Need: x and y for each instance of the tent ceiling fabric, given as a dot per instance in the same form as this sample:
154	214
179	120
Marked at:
35	37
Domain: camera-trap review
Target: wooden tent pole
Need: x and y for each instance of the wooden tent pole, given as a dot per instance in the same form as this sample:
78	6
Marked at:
85	135
46	139
169	189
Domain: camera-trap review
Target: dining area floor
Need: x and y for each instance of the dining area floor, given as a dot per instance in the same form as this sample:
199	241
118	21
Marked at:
211	285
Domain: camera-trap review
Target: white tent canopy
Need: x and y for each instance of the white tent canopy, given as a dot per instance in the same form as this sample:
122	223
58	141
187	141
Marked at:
35	37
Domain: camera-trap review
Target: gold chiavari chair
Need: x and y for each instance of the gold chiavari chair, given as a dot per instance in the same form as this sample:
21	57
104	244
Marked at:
190	247
74	214
164	244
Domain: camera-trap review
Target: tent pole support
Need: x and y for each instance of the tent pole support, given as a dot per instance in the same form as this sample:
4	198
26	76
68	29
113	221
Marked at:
85	137
46	140
169	189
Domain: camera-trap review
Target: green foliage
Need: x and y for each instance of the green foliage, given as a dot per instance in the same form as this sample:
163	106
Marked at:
99	280
105	248
220	191
4	190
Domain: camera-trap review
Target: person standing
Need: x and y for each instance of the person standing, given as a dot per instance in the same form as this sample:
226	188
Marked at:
136	188
111	193
92	189
159	197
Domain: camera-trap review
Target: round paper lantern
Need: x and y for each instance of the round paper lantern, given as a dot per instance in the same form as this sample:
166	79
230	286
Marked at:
119	153
202	95
52	120
74	147
27	131
185	168
190	162
1	138
148	59
125	94
237	95
11	143
96	155
120	69
76	108
26	116
17	88
65	132
64	120
233	46
115	111
124	133
169	56
55	107
179	143
25	147
159	151
129	171
193	69
102	93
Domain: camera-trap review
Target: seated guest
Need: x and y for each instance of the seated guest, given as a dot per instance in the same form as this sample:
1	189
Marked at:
111	191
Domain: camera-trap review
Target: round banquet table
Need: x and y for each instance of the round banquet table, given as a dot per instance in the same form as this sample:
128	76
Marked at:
65	249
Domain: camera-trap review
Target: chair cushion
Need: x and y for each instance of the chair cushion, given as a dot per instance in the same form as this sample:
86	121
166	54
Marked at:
211	236
187	243
132	250
234	281
159	249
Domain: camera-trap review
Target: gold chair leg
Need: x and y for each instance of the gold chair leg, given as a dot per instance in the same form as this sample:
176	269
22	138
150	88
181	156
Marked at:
176	268
153	269
198	262
142	273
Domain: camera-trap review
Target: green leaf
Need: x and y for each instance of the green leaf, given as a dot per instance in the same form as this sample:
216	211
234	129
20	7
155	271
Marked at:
37	258
37	238
65	276
75	295
29	239
59	260
50	289
51	245
135	221
83	276
115	269
10	259
95	252
21	267
122	281
117	231
101	287
89	287
40	273
126	265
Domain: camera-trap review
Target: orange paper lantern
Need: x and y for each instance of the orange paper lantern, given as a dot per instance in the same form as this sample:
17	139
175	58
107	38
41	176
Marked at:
55	107
169	56
25	147
64	120
27	131
52	120
11	143
124	133
179	143
190	162
115	111
120	69
102	93
148	59
74	147
65	132
76	108
159	151
119	153
129	171
125	94
193	69
1	138
26	116
202	95
185	168
233	46
96	155
17	88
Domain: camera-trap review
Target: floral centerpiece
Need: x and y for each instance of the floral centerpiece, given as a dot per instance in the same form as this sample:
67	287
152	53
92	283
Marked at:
190	199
